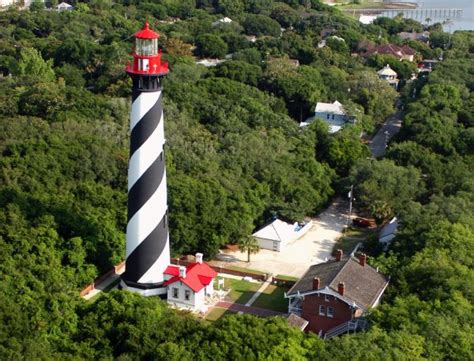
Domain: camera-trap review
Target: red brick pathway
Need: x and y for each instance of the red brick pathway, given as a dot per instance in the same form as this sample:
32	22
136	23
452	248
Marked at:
236	307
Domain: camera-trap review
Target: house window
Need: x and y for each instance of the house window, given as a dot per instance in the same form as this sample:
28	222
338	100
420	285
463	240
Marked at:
330	311
326	298
187	295
327	116
175	293
322	310
333	117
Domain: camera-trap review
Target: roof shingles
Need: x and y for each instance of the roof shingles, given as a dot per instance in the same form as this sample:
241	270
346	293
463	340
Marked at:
363	284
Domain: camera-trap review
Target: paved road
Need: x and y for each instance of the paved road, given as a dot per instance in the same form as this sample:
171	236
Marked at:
389	128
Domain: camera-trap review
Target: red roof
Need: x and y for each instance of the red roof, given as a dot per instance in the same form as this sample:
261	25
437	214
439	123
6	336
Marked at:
198	275
146	33
172	270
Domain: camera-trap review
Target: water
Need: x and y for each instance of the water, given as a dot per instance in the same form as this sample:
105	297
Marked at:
466	22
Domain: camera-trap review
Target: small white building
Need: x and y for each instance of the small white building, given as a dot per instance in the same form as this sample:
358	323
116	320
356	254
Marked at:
222	21
367	19
332	113
277	234
389	75
388	232
4	3
64	6
189	286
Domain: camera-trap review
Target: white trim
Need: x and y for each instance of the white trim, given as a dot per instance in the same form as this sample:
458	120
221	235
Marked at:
149	292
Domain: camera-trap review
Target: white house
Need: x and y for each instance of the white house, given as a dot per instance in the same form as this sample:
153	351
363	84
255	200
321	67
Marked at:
388	232
189	286
332	113
389	75
64	7
222	21
7	2
367	19
277	234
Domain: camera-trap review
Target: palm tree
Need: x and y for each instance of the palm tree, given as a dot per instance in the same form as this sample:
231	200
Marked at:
250	245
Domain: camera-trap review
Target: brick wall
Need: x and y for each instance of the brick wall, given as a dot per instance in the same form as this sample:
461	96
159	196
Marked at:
342	312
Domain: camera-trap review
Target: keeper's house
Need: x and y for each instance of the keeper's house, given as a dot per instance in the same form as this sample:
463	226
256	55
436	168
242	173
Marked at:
335	296
190	286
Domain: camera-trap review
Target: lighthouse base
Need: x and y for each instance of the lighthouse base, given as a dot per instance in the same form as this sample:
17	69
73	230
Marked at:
145	289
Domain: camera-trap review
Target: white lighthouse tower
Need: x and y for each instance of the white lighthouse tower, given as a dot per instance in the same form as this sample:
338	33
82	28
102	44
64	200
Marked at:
147	249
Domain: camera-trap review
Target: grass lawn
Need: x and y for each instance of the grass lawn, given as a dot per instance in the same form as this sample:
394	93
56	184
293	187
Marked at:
217	313
287	278
240	291
243	269
273	299
351	238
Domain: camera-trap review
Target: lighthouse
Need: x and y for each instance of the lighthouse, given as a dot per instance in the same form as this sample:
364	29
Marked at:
147	248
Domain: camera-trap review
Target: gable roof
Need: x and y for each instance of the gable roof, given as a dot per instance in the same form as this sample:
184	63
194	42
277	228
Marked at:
297	321
363	284
387	70
334	108
390	49
198	275
389	229
279	231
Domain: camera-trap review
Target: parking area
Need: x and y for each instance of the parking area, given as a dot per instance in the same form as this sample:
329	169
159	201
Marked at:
314	247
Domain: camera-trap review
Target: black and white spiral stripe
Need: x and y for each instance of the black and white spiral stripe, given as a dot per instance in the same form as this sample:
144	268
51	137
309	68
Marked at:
147	250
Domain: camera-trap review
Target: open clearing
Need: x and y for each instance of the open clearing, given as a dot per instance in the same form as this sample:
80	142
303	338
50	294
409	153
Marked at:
314	247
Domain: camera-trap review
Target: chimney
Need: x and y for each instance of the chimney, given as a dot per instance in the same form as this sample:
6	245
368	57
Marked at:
199	258
182	271
340	288
363	259
339	255
316	283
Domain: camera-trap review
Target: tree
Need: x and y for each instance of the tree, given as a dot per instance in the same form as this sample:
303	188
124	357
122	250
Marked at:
209	45
384	188
250	245
33	66
260	25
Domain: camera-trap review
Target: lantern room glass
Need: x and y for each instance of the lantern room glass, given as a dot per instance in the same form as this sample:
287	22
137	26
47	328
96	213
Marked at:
146	47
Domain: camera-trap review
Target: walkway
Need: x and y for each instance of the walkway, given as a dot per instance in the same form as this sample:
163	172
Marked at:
105	284
260	290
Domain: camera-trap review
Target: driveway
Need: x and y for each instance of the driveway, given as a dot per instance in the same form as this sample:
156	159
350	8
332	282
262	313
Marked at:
314	247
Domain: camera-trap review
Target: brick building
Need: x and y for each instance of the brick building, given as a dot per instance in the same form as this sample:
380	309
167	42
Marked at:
335	296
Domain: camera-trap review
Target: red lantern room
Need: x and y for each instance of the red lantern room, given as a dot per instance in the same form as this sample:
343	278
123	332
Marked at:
146	55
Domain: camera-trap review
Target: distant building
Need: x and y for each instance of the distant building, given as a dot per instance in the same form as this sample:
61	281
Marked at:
335	296
389	75
322	43
427	65
332	113
423	37
5	3
367	19
400	52
277	234
222	21
388	232
190	286
210	62
65	7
